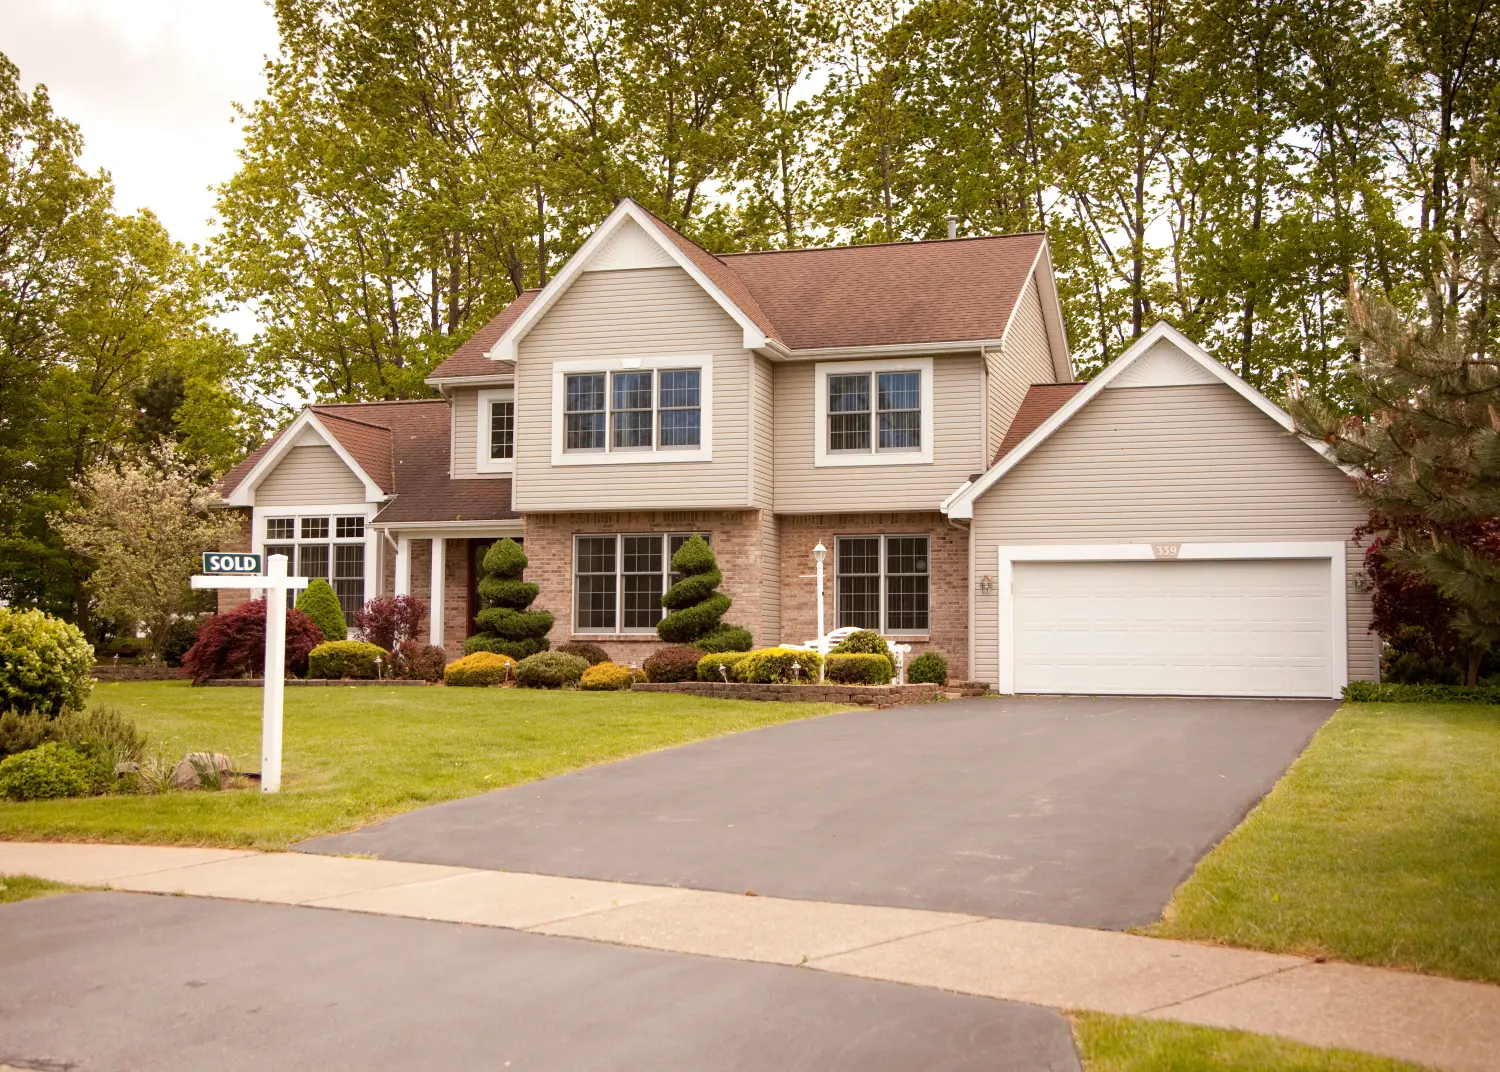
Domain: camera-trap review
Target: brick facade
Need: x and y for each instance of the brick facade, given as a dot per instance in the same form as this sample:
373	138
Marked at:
948	566
738	545
231	598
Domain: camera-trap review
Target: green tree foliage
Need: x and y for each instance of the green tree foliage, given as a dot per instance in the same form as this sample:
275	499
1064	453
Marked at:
320	603
695	606
507	627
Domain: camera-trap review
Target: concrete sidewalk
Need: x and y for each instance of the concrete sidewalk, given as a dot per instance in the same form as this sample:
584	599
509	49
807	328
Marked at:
1438	1022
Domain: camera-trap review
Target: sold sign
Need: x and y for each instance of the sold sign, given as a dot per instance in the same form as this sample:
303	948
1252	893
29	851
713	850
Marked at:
230	562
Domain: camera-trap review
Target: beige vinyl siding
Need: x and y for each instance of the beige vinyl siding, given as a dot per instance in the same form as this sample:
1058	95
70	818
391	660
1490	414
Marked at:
310	476
1025	359
770	580
957	449
649	312
1169	464
465	443
763	435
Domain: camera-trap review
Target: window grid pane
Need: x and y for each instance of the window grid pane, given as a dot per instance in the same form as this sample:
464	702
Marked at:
349	577
900	401
858	581
502	429
349	528
594	583
312	560
288	549
584	412
681	413
281	528
632	410
641	576
849	412
906	599
315	528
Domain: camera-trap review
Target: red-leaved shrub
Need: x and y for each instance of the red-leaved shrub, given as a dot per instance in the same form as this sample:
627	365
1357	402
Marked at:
420	662
234	644
391	621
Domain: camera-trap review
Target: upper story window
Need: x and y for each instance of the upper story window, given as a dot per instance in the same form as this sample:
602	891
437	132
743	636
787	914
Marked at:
632	410
874	412
496	431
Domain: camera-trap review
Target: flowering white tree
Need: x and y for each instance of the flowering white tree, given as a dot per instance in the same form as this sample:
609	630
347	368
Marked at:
141	526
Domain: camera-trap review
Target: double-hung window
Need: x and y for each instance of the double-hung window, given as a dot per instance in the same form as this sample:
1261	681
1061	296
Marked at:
633	409
496	439
883	583
331	548
618	580
874	413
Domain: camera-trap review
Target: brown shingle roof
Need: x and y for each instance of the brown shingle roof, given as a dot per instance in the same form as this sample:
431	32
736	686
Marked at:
368	444
469	359
1042	401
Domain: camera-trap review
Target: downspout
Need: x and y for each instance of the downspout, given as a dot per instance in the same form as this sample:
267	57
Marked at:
963	527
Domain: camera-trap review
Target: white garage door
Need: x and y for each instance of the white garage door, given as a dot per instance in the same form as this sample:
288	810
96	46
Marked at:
1187	628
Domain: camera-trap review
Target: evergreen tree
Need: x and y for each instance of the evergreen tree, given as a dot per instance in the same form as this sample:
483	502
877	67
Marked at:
319	602
694	604
508	627
1428	446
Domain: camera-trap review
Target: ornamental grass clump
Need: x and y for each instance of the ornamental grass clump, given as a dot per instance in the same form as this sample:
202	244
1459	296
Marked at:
860	668
507	626
695	608
550	670
607	677
348	659
676	663
779	666
719	666
46	665
480	670
319	603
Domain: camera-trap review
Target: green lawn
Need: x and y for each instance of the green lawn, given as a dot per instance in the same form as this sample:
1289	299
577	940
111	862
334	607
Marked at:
356	754
15	888
1381	845
1129	1044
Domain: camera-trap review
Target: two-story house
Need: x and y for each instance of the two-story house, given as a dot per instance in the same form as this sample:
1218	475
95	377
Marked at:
908	406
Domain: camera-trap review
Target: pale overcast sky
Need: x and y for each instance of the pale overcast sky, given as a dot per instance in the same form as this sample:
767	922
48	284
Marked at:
151	83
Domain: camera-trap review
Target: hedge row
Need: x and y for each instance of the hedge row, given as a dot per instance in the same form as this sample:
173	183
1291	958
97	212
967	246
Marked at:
1390	692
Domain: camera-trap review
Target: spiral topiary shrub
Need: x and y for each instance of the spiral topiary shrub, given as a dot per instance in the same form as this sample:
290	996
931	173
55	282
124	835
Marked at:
708	665
778	666
695	607
352	659
319	603
928	669
607	677
53	770
506	626
672	664
45	663
864	642
592	654
727	638
416	661
860	668
549	670
480	670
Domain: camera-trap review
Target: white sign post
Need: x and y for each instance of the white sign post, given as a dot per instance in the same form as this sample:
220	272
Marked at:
276	583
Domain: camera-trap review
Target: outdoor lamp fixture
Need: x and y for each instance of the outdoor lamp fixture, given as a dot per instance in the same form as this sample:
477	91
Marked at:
986	585
819	554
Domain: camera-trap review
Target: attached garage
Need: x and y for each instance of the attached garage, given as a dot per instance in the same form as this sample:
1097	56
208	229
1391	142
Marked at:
1162	530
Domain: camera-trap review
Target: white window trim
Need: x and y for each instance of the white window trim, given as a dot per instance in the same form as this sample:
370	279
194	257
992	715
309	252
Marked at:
704	452
1333	551
619	537
258	541
822	456
483	463
885	537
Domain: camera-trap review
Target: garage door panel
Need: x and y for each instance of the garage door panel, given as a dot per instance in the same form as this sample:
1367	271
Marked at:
1257	627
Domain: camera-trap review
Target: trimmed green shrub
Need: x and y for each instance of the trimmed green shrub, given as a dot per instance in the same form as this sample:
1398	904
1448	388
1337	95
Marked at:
416	661
549	670
348	659
479	670
506	626
182	634
592	654
45	663
607	677
860	668
53	770
726	638
695	608
1392	692
319	603
708	665
102	732
19	732
928	669
864	642
672	664
780	666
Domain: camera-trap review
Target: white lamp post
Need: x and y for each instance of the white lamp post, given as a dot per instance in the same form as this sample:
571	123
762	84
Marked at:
819	554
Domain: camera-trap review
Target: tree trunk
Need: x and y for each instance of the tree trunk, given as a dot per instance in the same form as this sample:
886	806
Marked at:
1476	655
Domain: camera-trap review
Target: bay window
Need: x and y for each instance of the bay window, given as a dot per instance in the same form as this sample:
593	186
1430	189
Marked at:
618	580
323	546
882	583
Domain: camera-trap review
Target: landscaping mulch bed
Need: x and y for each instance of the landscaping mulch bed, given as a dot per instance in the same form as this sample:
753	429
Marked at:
115	672
866	695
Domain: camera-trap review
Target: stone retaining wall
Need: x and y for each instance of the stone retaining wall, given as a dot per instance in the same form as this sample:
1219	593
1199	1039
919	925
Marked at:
867	695
111	672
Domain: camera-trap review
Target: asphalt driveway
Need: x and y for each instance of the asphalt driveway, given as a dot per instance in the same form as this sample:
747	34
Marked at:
1075	811
114	981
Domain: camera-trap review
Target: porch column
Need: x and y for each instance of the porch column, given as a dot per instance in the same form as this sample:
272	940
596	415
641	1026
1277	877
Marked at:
403	565
435	611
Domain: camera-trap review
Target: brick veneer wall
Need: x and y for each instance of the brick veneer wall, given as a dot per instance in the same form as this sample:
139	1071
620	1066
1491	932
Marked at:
230	598
948	566
737	542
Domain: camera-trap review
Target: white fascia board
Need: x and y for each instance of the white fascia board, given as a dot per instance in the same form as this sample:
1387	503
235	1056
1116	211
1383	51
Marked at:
509	527
501	377
505	347
961	503
882	350
244	492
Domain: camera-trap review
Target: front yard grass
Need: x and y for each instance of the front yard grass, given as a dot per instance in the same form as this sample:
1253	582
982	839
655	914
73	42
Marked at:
1131	1044
357	754
15	888
1381	845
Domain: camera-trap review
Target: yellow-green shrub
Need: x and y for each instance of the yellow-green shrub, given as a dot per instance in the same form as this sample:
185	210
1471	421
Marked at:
481	669
767	666
607	677
708	666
